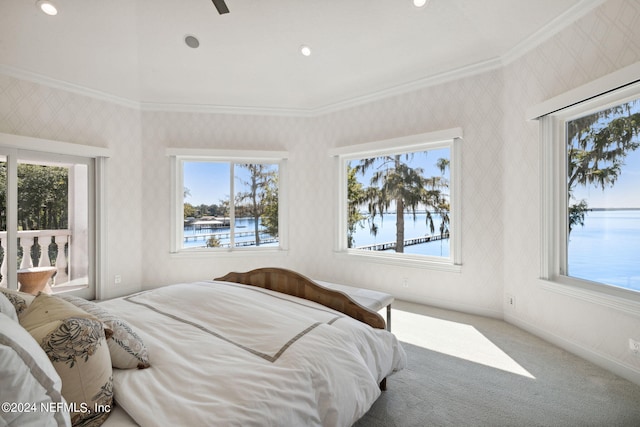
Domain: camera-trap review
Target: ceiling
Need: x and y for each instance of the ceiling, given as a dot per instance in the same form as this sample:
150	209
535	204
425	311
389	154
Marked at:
134	50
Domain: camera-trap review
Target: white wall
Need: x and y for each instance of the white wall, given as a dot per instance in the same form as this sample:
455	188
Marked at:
473	103
500	189
35	110
194	130
602	42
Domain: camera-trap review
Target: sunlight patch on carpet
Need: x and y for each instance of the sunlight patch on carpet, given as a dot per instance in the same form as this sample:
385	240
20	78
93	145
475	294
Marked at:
454	339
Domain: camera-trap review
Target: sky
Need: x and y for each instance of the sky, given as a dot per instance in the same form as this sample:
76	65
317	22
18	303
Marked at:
624	194
208	182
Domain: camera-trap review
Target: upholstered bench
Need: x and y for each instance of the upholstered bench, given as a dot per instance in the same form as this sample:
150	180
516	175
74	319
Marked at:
372	300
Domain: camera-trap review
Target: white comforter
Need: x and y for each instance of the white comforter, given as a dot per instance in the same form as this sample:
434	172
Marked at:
224	354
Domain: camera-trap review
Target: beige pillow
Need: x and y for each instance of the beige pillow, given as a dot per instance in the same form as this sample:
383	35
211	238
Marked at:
46	309
76	344
126	347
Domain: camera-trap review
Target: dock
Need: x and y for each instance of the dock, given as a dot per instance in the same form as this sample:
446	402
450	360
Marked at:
408	242
264	238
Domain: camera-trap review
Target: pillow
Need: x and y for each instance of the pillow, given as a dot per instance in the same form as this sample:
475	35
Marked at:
77	347
45	309
7	308
20	300
126	347
28	377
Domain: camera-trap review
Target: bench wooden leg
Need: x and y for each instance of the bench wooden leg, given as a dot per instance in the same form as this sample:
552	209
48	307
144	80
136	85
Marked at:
389	318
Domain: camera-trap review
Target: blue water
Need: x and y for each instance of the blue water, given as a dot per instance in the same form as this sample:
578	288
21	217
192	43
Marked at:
242	225
607	248
418	228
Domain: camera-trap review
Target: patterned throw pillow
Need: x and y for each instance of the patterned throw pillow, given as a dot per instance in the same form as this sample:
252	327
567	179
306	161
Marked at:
7	308
76	344
126	347
20	300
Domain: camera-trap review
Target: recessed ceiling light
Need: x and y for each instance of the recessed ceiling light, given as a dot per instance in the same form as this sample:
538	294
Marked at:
47	7
420	3
192	42
305	50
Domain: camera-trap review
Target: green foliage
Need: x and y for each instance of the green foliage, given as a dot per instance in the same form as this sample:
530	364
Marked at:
357	197
597	145
270	211
213	242
189	211
262	187
42	197
394	182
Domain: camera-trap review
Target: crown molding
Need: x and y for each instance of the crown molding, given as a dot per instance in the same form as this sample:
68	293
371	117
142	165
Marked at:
423	83
32	77
552	28
576	12
226	109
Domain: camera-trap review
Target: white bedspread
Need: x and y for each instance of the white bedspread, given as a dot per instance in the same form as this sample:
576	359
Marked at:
232	355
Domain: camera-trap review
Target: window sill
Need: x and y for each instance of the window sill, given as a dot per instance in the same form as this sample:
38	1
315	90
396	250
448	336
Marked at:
620	299
222	253
428	263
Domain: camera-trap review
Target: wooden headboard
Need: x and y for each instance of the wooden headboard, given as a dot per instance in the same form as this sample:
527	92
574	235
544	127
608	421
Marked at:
292	283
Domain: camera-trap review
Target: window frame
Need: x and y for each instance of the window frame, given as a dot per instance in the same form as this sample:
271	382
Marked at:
180	155
448	138
554	200
17	147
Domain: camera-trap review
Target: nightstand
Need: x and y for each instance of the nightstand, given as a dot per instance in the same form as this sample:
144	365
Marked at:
33	280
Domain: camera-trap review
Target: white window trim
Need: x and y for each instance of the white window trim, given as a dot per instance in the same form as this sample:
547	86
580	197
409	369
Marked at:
614	89
451	138
12	144
179	155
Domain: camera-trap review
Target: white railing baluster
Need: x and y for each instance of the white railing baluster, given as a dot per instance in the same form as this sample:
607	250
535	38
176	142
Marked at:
3	268
43	242
61	260
26	243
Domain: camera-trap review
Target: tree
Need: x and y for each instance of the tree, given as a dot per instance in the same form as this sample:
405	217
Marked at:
213	242
189	211
42	196
356	197
597	145
270	216
261	179
396	183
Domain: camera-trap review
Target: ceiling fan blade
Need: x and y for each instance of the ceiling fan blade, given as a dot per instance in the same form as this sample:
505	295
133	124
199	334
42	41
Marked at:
221	6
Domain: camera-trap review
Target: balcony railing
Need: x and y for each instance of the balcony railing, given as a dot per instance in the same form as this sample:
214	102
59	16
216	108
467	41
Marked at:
37	245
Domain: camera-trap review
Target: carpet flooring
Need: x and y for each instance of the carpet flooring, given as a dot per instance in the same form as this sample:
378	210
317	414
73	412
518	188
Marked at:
466	370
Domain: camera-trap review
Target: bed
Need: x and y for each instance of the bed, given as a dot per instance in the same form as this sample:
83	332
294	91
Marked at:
266	348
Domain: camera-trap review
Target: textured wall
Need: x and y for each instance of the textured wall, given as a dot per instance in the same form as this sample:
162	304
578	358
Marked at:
602	42
34	110
193	130
475	105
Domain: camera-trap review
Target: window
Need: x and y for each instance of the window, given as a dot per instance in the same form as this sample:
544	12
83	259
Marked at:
398	200
591	212
228	203
48	215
